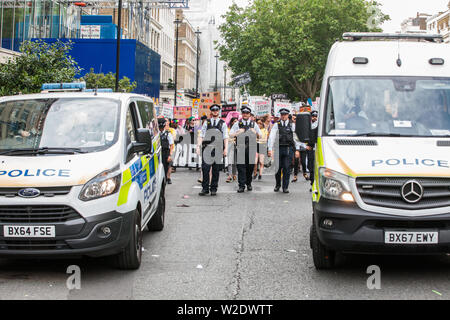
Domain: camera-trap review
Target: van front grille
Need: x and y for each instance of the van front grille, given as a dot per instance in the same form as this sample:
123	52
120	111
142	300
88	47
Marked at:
31	245
37	214
386	192
45	192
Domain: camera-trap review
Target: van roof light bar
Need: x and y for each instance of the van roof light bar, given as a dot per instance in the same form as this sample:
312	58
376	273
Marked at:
71	86
357	36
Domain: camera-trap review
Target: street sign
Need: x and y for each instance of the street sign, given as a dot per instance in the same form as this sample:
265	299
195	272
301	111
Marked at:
242	79
90	31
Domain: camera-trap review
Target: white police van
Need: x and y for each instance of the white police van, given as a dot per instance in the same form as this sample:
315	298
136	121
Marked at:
382	169
80	174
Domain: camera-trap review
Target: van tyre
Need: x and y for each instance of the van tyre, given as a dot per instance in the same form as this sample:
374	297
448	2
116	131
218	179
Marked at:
323	257
130	258
156	223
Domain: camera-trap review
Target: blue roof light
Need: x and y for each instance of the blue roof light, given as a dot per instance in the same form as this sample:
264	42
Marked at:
64	86
105	90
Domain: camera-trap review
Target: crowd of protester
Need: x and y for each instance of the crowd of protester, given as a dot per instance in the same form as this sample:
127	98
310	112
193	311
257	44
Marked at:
301	161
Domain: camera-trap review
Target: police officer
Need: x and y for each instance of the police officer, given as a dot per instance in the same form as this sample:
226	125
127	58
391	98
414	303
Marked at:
245	170
287	145
215	123
310	147
167	146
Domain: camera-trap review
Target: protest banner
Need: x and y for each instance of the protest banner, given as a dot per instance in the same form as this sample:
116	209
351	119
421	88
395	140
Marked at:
182	112
261	107
227	108
279	105
167	111
195	107
207	99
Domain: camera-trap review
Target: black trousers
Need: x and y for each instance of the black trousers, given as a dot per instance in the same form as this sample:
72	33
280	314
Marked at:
303	156
165	156
245	170
311	159
285	158
296	165
215	169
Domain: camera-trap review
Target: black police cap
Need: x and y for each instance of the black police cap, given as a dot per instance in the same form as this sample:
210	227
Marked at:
214	107
246	109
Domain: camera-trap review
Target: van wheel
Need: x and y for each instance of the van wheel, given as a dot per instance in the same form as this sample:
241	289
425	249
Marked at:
130	258
323	257
156	223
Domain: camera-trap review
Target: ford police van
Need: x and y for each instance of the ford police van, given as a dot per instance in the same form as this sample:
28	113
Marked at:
80	174
382	171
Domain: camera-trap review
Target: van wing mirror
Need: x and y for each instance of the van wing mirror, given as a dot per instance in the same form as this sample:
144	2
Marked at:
144	142
303	127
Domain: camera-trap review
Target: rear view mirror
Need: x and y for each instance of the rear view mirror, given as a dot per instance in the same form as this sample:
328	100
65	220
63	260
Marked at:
303	127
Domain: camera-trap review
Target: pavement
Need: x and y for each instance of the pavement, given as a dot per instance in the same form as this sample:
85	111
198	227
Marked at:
234	246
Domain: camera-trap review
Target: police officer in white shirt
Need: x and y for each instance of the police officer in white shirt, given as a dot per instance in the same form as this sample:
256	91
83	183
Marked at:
215	123
245	169
288	143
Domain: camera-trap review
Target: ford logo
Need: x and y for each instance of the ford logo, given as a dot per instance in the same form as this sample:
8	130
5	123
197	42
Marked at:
29	193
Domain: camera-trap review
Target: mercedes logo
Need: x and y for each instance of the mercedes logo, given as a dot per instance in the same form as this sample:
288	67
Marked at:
412	191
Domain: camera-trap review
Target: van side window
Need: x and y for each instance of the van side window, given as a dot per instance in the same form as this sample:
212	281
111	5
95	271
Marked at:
147	113
131	124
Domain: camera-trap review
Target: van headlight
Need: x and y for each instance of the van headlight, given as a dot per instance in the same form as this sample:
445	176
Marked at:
105	184
335	185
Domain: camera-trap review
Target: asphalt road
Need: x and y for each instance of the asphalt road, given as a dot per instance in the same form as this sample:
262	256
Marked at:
234	246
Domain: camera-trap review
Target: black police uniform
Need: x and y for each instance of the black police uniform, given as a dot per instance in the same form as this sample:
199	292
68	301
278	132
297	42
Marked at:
165	150
312	154
245	170
215	167
286	152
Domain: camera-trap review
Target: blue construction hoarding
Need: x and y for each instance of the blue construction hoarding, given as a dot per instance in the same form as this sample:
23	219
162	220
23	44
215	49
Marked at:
137	61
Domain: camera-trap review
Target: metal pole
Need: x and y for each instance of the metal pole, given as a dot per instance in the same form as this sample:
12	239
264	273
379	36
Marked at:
225	84
198	57
1	29
59	20
177	22
119	24
24	21
13	25
51	19
217	68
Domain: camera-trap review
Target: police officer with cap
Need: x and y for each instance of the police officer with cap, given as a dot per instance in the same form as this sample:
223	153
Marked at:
245	169
167	145
215	123
287	145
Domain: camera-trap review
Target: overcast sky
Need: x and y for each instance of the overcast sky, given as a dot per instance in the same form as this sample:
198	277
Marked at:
398	10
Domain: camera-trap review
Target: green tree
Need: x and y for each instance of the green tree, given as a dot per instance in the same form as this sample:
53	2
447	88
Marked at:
39	63
101	80
284	45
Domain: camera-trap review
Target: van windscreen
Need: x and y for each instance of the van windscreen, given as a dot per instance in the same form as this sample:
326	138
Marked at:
388	106
84	124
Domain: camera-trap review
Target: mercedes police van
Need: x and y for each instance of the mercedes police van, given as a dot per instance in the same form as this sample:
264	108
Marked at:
80	174
382	166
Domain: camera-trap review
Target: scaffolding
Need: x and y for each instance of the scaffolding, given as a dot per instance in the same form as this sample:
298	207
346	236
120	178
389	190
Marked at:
28	19
104	4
